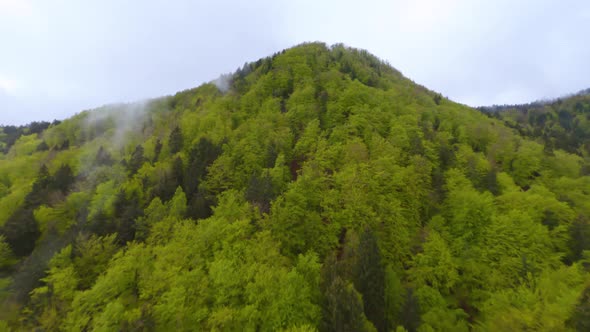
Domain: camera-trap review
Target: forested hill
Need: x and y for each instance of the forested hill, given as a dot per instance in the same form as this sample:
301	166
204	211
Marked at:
560	124
10	134
317	189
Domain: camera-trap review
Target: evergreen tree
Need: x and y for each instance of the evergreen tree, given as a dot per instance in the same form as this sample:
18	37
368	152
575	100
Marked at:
410	315
178	172
42	146
136	161
580	319
21	231
157	150
579	239
63	179
103	158
126	211
40	188
345	308
260	191
176	140
201	155
370	279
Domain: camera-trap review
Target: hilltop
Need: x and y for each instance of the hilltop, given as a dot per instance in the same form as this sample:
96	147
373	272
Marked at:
315	189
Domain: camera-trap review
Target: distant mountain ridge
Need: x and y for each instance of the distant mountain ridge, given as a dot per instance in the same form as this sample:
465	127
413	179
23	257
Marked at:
563	123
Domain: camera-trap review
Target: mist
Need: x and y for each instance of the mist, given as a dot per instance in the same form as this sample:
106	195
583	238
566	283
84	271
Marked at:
223	82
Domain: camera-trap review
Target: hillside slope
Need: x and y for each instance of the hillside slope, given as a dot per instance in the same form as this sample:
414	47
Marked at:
560	124
317	189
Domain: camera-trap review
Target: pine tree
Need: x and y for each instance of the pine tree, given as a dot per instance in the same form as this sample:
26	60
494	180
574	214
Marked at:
63	179
157	150
344	308
21	232
370	279
201	155
175	142
136	161
103	158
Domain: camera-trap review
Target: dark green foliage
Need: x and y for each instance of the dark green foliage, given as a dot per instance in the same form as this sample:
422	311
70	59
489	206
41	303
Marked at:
103	157
199	206
260	191
169	181
10	134
136	161
437	98
370	279
126	211
21	231
176	140
63	179
64	145
410	315
42	146
344	308
178	172
157	150
40	188
580	320
201	155
579	240
561	124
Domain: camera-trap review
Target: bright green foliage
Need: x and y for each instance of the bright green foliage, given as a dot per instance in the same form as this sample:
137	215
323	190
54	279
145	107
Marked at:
468	210
177	205
542	304
435	266
103	200
322	191
92	255
6	255
296	219
436	314
53	299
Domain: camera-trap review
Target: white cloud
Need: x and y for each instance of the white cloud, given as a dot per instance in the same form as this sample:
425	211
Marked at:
70	55
12	8
9	86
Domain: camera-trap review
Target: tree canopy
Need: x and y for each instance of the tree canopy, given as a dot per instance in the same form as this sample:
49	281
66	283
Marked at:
323	191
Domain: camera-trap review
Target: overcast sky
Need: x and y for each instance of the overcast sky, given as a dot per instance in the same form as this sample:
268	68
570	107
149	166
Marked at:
60	57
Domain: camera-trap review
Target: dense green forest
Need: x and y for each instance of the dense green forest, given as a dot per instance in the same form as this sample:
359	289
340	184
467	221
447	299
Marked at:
314	190
560	124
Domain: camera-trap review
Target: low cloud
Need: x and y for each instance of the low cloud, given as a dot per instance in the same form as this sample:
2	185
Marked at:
223	82
124	118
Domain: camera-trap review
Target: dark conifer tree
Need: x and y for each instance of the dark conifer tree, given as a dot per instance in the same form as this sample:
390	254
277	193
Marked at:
176	140
370	279
157	150
344	308
63	179
136	161
103	157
